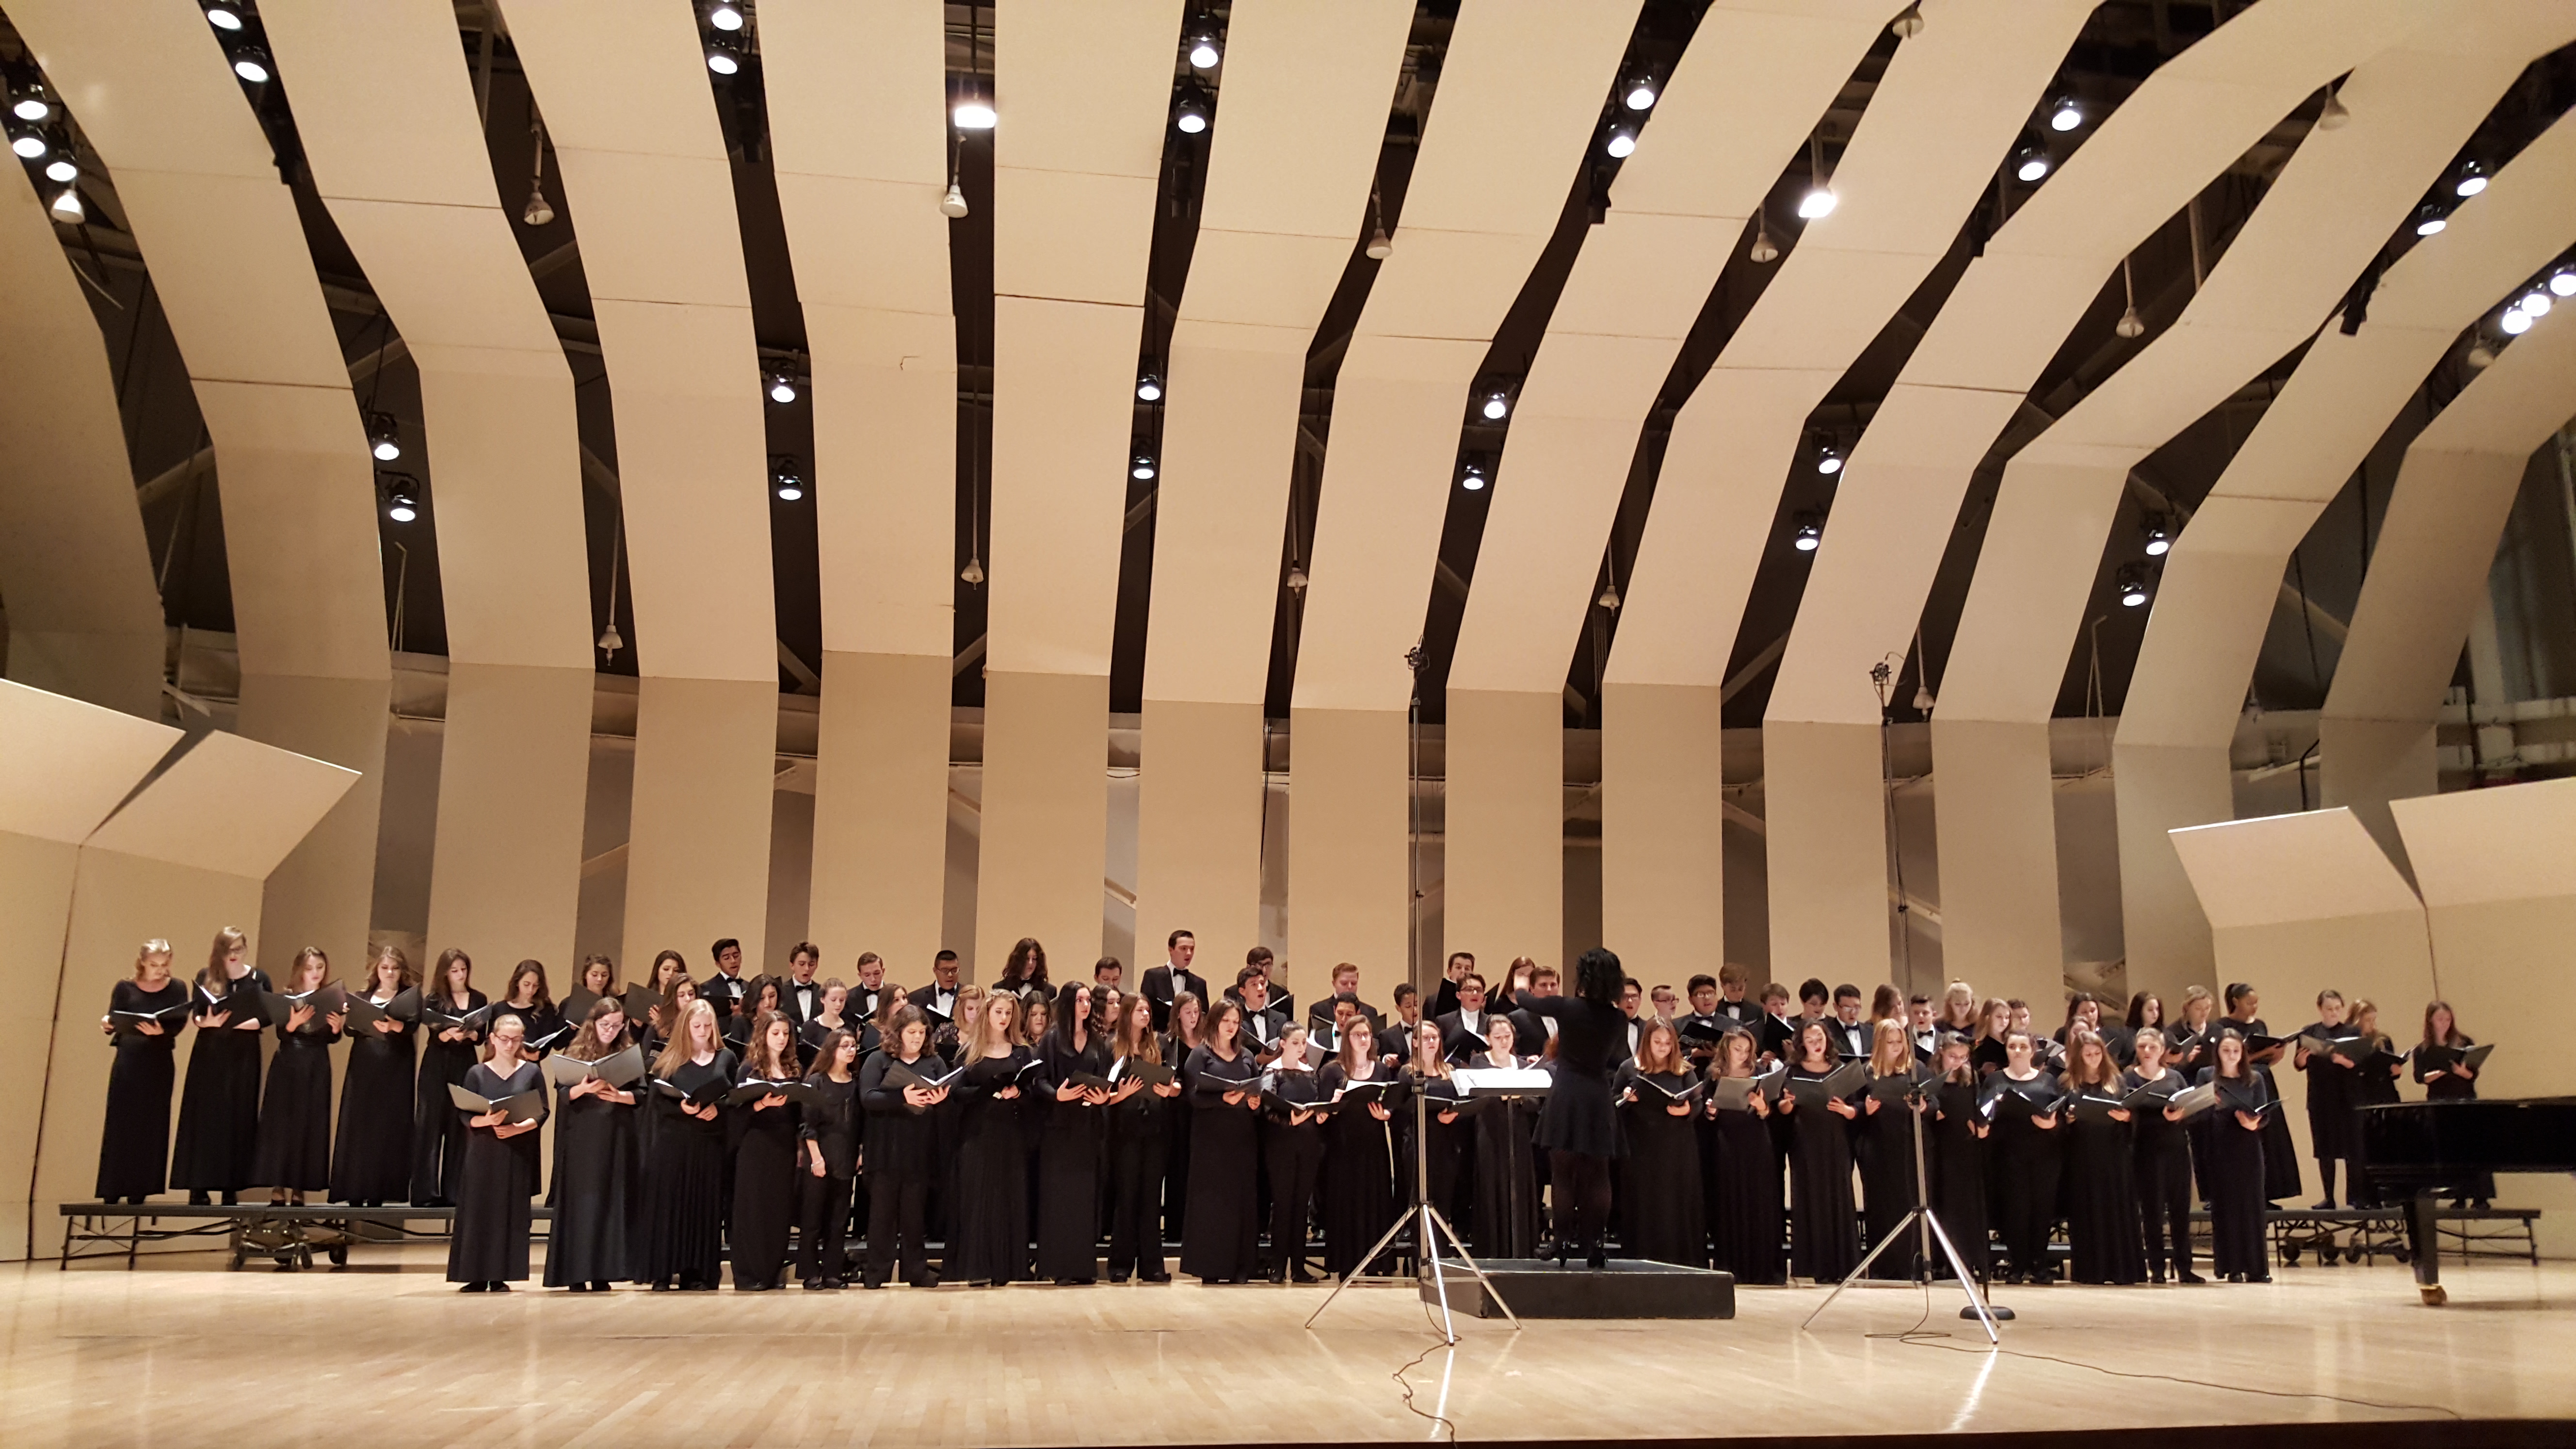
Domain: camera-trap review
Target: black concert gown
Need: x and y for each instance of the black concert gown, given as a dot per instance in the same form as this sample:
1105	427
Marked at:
437	1141
1139	1134
988	1221
2334	1129
295	1115
1887	1185
1176	1149
2160	1164
680	1232
831	1135
2280	1153
1507	1199
1295	1159
1745	1209
490	1237
1359	1176
371	1160
1221	1243
1956	1157
764	1192
134	1145
2099	1187
2027	1160
2452	1087
2238	1163
1069	1151
901	1160
219	1103
1824	1238
1665	1219
594	1191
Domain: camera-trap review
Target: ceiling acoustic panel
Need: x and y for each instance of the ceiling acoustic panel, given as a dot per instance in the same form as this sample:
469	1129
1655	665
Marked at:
626	102
1952	100
1900	490
391	133
151	92
1307	85
2332	206
1520	88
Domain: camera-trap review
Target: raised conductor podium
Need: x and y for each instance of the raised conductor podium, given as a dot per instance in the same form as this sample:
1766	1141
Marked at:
1626	1288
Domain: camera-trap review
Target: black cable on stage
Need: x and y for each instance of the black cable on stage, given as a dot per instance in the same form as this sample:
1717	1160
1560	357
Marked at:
1930	1341
1415	1362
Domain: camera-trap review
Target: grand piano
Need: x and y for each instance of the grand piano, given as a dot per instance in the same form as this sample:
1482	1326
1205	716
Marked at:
2425	1151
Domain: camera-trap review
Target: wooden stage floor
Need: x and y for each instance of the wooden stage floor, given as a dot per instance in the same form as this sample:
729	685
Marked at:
385	1355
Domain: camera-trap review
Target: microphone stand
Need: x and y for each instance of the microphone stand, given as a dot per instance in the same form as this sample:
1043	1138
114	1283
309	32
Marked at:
1927	1227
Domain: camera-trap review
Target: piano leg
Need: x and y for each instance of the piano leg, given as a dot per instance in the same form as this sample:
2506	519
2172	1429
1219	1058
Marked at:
2424	1246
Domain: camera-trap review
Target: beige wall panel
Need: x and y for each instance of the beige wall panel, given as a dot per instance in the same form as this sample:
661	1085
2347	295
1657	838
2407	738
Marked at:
2340	192
1504	829
36	877
1663	870
880	793
75	574
1064	401
697	863
1045	817
1995	808
1349	826
65	764
1198	830
2161	788
227	804
1829	903
513	770
119	901
322	893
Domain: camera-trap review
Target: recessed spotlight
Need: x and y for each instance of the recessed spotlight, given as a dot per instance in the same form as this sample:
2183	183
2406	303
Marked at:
1472	478
1829	461
787	477
402	496
62	168
722	58
1190	113
782	388
2536	302
1498	406
29	102
28	142
2515	322
1810	533
223	15
1204	51
2159	535
1623	141
2562	282
1641	94
1141	467
2131	580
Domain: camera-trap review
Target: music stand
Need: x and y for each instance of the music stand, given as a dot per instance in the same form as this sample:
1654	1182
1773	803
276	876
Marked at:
1927	1228
1424	1218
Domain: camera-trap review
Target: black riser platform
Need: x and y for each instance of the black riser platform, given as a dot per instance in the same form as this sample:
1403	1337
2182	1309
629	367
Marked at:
1626	1288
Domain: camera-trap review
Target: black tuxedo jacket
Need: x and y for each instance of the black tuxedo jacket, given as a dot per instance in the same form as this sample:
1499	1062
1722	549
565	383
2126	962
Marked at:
794	1000
1160	987
1453	1033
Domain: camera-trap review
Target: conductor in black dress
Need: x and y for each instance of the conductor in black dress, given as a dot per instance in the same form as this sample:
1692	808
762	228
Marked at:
1579	1127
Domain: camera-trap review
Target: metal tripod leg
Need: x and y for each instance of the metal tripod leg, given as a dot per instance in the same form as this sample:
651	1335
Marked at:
1425	1219
1966	1282
1467	1258
1359	1268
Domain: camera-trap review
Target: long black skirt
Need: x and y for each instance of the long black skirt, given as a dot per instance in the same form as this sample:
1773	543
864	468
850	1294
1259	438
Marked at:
1957	1160
1358	1187
593	1194
438	1134
1222	1240
1507	1196
988	1218
295	1118
682	1222
2237	1164
219	1113
1664	1219
1888	1186
1069	1194
1824	1239
1745	1210
2099	1190
2280	1153
134	1145
371	1161
490	1242
764	1198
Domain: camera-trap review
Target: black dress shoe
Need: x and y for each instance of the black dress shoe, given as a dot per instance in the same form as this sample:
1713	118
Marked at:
2156	1276
1300	1275
500	1287
815	1285
2188	1276
872	1283
1118	1277
1597	1258
1155	1277
475	1288
199	1199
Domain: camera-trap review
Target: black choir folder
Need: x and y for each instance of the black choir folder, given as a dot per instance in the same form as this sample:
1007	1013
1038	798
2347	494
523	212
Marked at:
1813	1092
1152	1074
522	1107
900	1075
752	1089
364	1014
616	1070
708	1093
2444	1058
1674	1087
129	1022
1736	1094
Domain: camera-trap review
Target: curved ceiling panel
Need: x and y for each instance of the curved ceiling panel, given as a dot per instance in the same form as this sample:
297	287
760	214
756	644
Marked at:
625	97
1739	107
2331	208
389	127
2223	576
228	257
1519	89
1303	115
1900	491
75	573
1949	105
857	94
